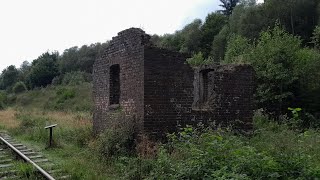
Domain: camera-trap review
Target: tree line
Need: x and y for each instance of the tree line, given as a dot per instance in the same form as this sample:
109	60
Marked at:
280	39
51	68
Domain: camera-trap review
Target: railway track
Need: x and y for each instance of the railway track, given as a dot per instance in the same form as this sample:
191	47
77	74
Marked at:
13	154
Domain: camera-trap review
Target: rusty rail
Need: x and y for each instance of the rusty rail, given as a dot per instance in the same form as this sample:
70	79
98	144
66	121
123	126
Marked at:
28	160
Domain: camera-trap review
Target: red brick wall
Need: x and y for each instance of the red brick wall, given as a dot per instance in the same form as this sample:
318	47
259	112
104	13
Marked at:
162	92
171	85
127	50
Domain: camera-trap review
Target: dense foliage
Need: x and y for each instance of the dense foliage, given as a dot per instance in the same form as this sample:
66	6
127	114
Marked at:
19	87
273	151
72	67
287	72
280	40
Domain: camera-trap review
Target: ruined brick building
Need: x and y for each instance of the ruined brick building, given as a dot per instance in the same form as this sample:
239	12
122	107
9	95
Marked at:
161	91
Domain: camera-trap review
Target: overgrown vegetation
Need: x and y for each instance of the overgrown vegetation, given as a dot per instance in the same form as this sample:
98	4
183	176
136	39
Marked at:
273	151
280	40
63	98
19	87
198	60
286	71
27	171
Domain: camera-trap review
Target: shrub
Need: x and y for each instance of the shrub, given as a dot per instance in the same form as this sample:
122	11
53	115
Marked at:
11	98
76	78
56	80
3	99
274	152
78	136
2	106
198	60
118	138
65	94
32	127
3	96
62	98
19	87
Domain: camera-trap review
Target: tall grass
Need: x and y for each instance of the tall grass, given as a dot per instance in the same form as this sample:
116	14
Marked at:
273	151
62	98
72	137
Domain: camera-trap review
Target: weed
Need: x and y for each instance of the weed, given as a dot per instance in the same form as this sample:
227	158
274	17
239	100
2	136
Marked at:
274	151
117	140
27	171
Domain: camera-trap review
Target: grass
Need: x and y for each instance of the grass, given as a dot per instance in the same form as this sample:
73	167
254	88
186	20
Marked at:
62	98
27	171
8	120
273	151
72	136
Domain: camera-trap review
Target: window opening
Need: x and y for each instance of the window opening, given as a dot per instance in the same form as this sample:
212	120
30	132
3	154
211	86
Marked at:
114	96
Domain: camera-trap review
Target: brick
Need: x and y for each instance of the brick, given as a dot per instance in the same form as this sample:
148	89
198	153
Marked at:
159	89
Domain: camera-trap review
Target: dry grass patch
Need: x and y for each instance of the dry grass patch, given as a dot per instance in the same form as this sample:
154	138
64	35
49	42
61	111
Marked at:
72	120
7	119
63	119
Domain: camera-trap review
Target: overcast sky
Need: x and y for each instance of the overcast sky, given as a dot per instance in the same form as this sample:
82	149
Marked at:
32	27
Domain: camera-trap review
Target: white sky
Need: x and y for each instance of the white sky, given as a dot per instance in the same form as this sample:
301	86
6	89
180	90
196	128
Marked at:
29	28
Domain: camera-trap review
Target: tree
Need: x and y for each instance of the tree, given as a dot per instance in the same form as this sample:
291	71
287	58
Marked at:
9	77
228	6
191	37
43	70
80	59
211	27
249	21
316	37
187	40
68	60
299	17
219	44
306	68
24	70
19	87
237	46
273	58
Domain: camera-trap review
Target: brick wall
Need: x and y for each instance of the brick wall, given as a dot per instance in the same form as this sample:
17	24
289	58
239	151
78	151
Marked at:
229	95
172	93
162	92
168	90
127	50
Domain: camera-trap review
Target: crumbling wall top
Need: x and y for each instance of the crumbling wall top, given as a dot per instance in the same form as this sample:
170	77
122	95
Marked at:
133	33
222	67
126	41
